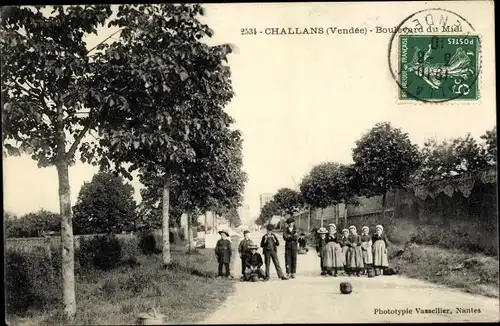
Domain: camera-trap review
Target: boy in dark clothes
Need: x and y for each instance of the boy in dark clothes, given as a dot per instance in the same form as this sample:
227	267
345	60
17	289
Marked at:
302	242
243	251
290	236
223	253
269	244
253	263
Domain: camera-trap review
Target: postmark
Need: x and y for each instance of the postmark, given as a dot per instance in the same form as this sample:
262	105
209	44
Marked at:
434	56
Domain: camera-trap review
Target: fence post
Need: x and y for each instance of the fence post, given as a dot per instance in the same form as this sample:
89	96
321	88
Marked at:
308	219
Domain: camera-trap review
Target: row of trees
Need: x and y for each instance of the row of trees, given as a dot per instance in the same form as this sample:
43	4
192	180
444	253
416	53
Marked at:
383	159
149	98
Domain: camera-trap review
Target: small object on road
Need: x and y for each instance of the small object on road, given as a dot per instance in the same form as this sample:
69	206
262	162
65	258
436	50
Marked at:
370	272
345	288
255	278
151	318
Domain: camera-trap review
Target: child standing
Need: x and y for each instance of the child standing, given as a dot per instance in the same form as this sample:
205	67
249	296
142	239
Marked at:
345	241
290	236
223	253
380	243
253	263
321	248
269	244
302	243
366	247
243	251
354	252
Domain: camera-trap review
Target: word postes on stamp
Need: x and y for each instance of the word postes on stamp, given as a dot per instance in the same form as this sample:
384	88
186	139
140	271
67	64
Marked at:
438	67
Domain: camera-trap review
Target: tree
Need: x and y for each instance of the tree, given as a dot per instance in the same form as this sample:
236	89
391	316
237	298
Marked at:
450	157
105	205
267	212
384	158
233	217
176	86
47	82
288	201
328	184
490	146
31	224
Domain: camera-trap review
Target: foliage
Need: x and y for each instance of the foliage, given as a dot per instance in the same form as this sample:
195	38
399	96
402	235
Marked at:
48	80
327	184
490	146
176	87
32	281
267	212
384	158
233	217
31	224
105	205
288	200
102	252
452	157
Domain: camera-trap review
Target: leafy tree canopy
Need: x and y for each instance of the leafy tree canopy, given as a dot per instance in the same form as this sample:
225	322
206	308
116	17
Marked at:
105	205
267	212
288	200
456	156
31	224
384	158
327	184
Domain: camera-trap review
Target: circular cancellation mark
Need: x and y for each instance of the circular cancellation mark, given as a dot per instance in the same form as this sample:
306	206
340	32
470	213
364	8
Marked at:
434	56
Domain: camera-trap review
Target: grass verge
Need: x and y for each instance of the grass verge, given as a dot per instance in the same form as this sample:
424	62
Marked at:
471	273
184	292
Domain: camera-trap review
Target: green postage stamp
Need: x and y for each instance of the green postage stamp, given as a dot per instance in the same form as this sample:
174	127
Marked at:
438	67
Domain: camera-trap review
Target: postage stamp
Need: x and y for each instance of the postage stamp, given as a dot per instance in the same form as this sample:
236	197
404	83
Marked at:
438	67
435	56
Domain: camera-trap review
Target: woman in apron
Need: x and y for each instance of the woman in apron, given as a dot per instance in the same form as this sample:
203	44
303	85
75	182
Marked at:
380	242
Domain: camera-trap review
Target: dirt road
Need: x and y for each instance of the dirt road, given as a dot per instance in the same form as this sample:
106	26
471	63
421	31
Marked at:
311	298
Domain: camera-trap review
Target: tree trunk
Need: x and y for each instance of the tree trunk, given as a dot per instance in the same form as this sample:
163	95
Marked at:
384	204
214	216
67	241
167	258
190	231
308	219
321	217
205	225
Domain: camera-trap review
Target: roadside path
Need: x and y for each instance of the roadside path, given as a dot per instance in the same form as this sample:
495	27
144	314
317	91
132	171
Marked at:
311	298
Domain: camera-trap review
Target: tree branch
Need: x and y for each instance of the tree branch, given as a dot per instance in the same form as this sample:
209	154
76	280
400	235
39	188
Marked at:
78	139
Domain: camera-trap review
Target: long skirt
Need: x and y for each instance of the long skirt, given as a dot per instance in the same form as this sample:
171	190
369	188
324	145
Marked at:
354	258
367	253
333	259
380	254
344	252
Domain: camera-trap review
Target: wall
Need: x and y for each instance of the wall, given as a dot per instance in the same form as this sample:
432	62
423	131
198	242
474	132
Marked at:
459	212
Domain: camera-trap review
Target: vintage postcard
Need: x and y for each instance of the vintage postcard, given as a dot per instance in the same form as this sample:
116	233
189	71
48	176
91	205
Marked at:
250	163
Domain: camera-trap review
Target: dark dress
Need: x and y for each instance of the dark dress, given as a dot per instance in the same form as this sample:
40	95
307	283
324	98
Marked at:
290	237
223	253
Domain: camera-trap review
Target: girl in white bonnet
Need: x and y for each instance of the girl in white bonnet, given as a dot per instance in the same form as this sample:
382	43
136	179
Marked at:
380	242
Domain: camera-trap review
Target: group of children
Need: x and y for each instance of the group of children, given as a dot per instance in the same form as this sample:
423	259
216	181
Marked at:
350	252
251	260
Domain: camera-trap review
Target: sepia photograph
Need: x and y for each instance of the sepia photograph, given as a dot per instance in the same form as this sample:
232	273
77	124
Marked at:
249	163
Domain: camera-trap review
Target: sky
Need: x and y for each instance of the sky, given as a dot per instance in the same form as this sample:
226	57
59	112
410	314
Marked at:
300	99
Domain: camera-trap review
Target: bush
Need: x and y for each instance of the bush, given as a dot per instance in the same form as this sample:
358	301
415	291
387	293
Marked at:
148	243
32	280
103	252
